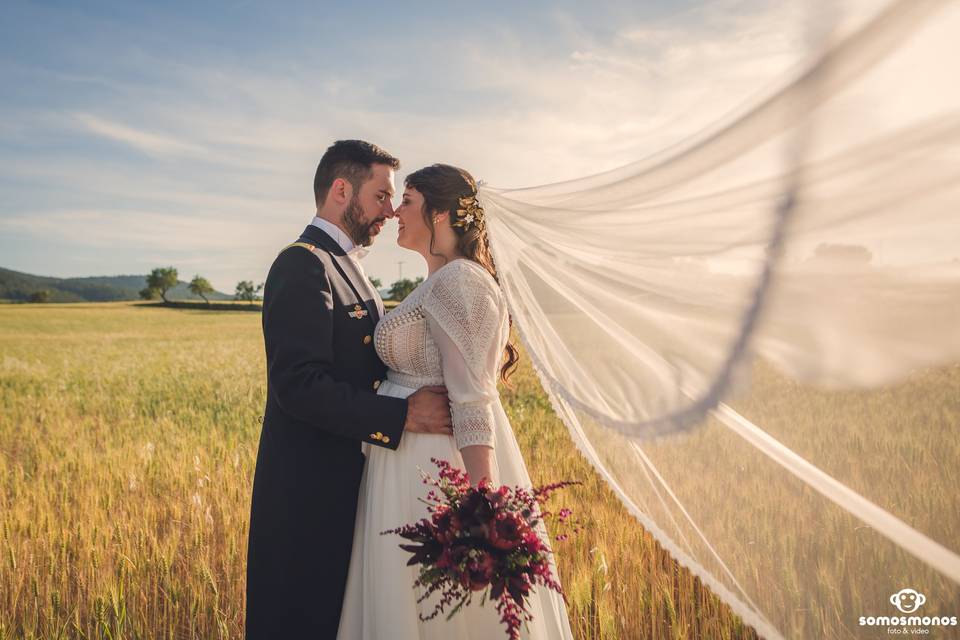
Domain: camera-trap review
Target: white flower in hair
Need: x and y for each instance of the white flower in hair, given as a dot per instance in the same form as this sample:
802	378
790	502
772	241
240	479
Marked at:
470	213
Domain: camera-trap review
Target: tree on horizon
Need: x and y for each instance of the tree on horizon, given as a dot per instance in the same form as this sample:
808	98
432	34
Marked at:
246	291
402	288
160	280
200	286
41	296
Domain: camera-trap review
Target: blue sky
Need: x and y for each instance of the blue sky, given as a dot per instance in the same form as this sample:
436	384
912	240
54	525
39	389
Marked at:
137	135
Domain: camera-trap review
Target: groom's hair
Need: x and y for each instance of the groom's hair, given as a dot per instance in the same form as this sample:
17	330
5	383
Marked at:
351	160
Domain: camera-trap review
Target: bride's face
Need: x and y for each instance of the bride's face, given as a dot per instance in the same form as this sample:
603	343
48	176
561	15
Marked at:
414	233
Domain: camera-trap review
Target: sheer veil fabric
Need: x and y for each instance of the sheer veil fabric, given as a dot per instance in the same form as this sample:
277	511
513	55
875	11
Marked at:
818	233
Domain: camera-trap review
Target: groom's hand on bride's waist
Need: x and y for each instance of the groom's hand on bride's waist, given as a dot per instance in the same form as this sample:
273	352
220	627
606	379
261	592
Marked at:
428	411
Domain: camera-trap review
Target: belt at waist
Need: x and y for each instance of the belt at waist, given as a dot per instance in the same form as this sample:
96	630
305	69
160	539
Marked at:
412	381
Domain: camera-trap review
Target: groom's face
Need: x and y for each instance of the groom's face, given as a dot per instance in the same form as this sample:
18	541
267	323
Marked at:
370	206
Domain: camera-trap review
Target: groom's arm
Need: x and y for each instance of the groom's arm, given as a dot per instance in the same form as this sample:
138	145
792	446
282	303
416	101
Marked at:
298	334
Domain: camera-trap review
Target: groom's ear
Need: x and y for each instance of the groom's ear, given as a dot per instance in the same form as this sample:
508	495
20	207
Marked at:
341	191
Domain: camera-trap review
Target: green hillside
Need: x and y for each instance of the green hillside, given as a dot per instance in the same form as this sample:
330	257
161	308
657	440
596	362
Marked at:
16	286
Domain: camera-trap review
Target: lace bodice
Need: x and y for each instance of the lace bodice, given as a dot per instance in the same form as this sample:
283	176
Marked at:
451	330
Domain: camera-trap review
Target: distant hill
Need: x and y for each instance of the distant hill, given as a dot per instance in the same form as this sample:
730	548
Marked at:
17	286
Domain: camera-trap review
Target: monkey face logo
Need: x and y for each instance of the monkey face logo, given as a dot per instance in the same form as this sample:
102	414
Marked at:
907	600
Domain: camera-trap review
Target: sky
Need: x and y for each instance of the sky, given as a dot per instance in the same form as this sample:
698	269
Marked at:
137	135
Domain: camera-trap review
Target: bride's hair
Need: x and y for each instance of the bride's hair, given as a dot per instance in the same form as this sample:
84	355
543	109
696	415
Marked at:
442	186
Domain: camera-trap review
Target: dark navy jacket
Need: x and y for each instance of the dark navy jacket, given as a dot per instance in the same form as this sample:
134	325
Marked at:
319	313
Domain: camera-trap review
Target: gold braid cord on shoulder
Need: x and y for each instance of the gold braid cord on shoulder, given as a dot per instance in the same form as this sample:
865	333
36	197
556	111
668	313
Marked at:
306	245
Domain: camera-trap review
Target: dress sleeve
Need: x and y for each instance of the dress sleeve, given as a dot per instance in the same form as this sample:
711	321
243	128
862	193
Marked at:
463	311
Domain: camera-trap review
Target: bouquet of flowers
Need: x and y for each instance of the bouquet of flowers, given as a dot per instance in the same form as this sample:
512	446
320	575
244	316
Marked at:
481	539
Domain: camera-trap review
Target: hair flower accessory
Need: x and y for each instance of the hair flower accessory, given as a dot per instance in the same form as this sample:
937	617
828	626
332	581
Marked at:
469	213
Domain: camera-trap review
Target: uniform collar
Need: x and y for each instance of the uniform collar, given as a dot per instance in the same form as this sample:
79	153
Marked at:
340	237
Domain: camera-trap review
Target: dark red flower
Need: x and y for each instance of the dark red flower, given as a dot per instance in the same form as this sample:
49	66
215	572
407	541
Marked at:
507	531
475	511
532	542
480	570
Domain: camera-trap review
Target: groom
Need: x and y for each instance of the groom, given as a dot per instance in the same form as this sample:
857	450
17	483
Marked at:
319	314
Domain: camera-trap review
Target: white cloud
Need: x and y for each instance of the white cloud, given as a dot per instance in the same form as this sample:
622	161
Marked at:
146	141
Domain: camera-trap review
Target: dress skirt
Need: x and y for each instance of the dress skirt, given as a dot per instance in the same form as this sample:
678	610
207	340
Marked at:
380	601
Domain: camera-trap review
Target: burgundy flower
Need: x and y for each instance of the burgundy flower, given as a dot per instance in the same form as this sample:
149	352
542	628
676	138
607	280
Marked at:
447	525
532	542
475	510
508	531
480	571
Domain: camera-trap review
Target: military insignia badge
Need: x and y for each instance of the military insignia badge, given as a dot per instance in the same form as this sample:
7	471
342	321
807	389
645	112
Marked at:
358	312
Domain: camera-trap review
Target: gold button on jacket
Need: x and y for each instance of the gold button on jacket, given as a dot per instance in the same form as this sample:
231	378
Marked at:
376	385
367	339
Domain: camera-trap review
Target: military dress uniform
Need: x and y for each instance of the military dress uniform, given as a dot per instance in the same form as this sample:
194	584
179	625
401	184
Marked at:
319	314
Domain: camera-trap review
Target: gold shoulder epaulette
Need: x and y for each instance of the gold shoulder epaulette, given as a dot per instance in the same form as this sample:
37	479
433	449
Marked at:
306	245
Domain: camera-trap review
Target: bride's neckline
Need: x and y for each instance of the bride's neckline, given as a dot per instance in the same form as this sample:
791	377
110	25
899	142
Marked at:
414	295
451	262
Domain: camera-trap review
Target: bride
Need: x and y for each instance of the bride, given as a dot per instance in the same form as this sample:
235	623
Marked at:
453	330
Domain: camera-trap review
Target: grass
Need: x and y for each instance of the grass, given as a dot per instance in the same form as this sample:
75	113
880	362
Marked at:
128	437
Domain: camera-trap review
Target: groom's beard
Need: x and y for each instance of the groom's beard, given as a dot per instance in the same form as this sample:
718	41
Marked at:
360	232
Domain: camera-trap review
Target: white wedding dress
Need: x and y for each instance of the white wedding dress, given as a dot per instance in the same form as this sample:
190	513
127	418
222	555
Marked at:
451	330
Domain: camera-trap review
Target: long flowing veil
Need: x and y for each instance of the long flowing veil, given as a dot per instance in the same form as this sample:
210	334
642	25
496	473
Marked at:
795	258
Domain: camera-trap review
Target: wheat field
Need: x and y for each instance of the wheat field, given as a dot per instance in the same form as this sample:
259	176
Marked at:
128	437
